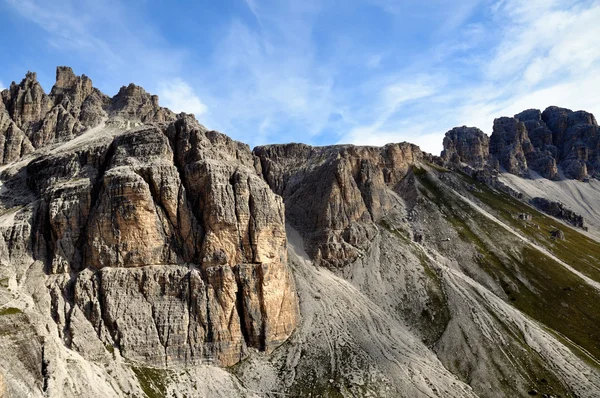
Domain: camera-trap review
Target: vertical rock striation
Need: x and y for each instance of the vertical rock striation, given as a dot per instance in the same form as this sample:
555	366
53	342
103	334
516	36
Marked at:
466	145
158	235
334	195
543	142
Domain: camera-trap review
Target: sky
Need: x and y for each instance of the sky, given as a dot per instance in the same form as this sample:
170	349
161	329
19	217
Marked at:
321	72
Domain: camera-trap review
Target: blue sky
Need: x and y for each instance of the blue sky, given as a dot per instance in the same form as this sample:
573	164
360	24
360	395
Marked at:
320	72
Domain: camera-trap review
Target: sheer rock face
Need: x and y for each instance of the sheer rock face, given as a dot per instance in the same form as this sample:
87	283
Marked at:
134	103
334	195
575	134
532	140
509	145
466	145
543	157
13	142
43	118
27	104
163	240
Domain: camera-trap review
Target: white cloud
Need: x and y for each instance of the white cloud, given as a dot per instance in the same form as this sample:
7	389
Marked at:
544	52
2	87
376	129
374	61
115	44
179	96
269	83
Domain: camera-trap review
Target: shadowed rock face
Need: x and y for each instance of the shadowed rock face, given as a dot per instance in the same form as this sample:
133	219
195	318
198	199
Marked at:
509	145
163	240
531	140
467	145
334	195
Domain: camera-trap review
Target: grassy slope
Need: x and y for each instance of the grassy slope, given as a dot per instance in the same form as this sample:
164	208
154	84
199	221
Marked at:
535	284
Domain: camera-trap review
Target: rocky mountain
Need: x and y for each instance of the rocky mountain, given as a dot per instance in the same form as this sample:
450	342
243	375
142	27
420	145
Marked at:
145	255
548	143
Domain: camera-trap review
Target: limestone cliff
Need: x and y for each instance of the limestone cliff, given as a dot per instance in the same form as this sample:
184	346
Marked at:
467	145
161	239
543	142
335	195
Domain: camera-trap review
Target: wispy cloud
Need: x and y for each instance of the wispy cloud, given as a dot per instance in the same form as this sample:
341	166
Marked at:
540	53
324	71
116	46
178	96
269	84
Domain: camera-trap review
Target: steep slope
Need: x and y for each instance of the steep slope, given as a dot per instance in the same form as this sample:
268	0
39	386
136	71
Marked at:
450	258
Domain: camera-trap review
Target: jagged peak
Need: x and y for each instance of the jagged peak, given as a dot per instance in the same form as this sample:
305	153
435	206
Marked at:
66	78
27	82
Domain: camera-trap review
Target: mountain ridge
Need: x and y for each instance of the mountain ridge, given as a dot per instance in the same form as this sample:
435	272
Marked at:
141	252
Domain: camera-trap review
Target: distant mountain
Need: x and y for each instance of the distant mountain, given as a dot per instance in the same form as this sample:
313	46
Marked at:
550	142
145	255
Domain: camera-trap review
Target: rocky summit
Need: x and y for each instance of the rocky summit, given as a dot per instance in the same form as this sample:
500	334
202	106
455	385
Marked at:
546	143
142	254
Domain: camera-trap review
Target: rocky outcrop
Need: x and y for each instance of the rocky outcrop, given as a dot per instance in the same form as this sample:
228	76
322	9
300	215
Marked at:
77	94
158	235
43	118
558	210
134	103
510	145
334	195
531	140
178	245
26	103
30	118
466	145
542	158
575	134
14	144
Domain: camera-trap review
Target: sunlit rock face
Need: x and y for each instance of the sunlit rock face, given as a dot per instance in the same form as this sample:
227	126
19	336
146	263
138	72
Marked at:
174	245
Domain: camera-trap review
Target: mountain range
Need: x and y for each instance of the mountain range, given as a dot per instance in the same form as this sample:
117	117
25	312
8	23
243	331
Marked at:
144	255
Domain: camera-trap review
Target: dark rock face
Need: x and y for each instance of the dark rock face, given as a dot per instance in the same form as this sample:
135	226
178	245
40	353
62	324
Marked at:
543	157
466	145
509	145
531	140
575	134
134	103
558	210
335	194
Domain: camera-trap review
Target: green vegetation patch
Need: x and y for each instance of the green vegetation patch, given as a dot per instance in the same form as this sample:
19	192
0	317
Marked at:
534	283
152	381
10	311
577	250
